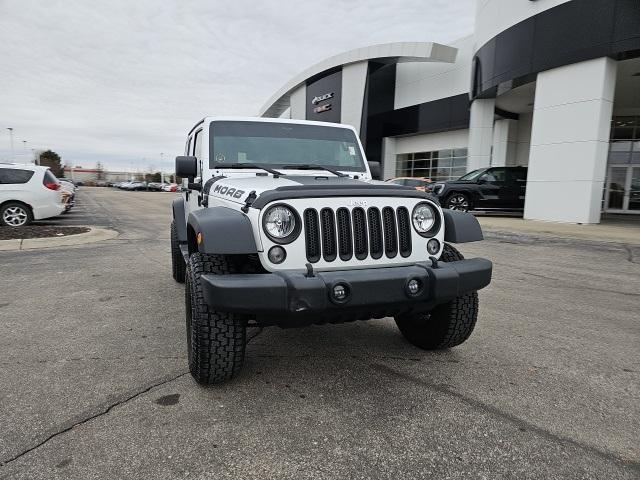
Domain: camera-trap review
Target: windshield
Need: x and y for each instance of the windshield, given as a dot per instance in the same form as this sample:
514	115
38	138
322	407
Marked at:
473	174
279	144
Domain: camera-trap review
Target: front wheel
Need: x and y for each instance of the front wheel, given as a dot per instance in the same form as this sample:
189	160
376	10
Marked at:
215	340
447	325
458	201
15	214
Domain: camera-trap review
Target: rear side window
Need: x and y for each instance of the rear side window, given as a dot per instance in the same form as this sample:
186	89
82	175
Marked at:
13	175
49	178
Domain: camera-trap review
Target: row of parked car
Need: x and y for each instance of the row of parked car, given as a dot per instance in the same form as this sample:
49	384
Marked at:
144	186
32	192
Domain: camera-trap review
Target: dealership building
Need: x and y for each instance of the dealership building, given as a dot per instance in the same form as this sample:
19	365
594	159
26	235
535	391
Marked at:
553	85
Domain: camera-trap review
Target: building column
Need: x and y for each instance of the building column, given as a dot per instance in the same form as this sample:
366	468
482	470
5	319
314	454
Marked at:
388	167
354	81
569	142
298	103
504	143
480	133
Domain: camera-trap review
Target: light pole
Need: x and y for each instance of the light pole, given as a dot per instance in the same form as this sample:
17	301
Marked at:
13	154
161	171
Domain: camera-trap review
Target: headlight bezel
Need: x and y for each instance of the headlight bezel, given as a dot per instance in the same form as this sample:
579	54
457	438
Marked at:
435	228
297	228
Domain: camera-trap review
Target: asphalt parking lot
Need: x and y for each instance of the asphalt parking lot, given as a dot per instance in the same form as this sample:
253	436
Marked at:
94	382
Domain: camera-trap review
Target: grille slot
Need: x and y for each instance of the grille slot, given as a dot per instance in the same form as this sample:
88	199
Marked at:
345	233
312	235
375	233
345	243
328	228
390	232
404	231
360	243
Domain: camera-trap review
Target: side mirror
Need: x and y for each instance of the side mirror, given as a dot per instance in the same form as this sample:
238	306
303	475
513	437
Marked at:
186	167
375	169
482	180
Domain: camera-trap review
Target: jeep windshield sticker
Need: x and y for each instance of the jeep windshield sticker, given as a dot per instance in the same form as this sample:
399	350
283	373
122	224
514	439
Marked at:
220	158
352	150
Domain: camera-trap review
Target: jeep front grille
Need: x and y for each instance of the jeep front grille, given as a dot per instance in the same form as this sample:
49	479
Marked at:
346	233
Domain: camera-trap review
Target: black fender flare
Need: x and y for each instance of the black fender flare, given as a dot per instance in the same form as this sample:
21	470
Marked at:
178	217
461	227
222	231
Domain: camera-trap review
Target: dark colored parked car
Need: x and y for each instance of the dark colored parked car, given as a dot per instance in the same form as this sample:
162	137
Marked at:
493	188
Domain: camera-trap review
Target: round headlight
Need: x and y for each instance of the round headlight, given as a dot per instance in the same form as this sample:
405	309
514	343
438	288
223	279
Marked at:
424	217
279	222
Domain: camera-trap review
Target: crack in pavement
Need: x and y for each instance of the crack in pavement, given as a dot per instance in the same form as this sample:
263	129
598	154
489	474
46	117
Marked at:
513	419
105	411
582	287
629	251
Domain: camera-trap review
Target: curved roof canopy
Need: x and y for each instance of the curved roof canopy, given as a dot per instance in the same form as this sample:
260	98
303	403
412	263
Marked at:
384	53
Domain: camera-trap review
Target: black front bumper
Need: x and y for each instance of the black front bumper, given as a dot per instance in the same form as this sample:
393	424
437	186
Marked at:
295	298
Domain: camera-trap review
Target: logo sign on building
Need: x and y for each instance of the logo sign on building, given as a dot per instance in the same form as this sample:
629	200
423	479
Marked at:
322	108
320	98
324	97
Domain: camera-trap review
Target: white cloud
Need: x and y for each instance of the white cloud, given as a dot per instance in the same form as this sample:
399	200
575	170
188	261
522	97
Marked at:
122	81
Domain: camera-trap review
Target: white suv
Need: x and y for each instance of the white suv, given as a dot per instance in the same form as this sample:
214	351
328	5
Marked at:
280	223
28	192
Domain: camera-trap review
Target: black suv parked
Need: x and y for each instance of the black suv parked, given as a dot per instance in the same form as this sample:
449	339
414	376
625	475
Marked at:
493	188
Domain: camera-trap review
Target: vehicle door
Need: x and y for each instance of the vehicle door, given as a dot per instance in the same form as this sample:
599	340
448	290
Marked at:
493	188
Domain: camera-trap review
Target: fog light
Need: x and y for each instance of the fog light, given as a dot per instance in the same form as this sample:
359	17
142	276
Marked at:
340	292
413	286
277	254
433	246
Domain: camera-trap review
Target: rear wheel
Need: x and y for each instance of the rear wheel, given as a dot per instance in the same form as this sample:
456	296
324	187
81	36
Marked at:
215	340
447	325
15	214
458	201
178	265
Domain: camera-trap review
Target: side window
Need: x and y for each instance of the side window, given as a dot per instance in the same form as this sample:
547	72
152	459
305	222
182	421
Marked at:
12	175
198	144
495	175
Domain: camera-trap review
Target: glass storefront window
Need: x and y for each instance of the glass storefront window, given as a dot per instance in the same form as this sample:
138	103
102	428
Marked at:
439	165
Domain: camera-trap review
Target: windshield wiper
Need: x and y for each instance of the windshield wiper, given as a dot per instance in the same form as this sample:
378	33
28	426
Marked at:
313	166
249	165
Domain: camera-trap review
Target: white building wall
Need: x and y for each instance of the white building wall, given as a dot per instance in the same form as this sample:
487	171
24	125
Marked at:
298	101
505	136
523	139
569	142
495	16
419	82
354	81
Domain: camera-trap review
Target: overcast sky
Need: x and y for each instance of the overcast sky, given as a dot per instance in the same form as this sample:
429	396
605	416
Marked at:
122	81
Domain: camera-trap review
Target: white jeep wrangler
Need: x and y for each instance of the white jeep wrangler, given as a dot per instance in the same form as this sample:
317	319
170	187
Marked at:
280	223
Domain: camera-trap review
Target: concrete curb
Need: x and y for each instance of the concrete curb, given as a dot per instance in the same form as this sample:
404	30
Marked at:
95	234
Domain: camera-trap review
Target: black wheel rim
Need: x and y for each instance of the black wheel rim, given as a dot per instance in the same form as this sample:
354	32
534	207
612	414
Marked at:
459	202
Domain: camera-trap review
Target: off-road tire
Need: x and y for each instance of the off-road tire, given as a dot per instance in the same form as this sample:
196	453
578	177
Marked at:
215	340
178	265
447	325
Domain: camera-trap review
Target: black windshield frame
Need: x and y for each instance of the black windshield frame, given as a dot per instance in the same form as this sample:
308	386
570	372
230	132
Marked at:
277	130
